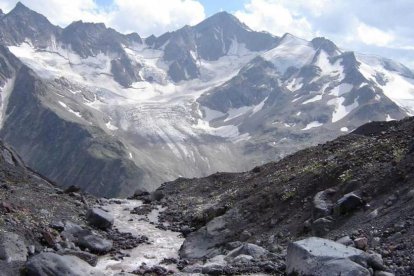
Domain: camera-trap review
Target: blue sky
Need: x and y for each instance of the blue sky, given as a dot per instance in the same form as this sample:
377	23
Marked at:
380	27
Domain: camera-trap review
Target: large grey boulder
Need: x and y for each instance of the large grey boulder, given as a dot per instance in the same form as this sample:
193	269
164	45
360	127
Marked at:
99	218
95	244
54	264
12	247
316	256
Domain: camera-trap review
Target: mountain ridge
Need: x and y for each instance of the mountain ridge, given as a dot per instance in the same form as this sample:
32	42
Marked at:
244	99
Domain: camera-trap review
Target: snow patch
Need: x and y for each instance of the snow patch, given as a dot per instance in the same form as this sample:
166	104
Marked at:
341	110
312	125
313	99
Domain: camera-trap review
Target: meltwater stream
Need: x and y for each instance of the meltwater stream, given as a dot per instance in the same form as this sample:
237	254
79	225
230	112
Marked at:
163	243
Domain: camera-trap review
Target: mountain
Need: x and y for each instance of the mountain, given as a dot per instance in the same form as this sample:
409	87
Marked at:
358	187
86	105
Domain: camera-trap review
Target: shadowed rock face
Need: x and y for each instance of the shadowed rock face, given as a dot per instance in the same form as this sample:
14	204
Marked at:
64	151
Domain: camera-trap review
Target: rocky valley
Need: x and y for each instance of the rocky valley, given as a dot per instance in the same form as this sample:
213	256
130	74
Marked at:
213	149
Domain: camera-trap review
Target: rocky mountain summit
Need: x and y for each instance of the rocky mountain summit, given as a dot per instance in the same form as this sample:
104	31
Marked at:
88	101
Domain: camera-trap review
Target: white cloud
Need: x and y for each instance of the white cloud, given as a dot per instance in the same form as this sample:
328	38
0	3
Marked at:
373	36
155	16
272	16
141	16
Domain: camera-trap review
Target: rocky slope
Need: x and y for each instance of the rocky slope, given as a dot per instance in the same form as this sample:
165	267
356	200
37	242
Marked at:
86	100
357	188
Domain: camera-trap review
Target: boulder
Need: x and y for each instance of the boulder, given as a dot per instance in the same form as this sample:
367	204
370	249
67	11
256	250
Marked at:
316	256
346	240
12	247
86	256
348	203
95	244
99	218
321	226
361	243
248	249
322	206
53	264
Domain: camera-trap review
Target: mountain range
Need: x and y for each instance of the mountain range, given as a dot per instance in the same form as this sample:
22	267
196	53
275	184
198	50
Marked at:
86	105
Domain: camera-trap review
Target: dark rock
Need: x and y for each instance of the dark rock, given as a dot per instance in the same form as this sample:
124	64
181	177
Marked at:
157	195
348	203
95	244
72	189
321	226
99	218
57	225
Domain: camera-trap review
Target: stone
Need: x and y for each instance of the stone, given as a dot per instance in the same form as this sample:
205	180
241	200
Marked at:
348	203
90	258
316	256
248	249
322	207
99	218
346	240
12	247
321	226
71	189
375	261
53	264
95	244
361	243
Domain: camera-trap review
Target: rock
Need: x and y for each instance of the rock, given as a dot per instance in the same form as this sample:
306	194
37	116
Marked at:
12	247
54	264
57	225
95	244
140	192
72	232
157	195
348	203
99	218
346	240
49	238
321	226
375	261
316	256
248	249
361	243
213	269
86	256
410	194
71	189
245	235
322	207
383	273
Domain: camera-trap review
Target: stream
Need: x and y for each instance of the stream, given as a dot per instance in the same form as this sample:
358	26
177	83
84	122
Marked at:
163	243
